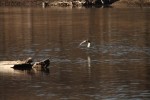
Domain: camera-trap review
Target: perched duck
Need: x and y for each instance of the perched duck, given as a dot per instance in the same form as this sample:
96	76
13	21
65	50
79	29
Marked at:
86	41
29	60
41	64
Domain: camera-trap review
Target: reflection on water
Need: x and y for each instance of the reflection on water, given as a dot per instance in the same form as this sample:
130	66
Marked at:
115	67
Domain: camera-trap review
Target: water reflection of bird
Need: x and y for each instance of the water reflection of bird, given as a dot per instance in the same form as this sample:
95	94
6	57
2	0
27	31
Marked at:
89	61
86	41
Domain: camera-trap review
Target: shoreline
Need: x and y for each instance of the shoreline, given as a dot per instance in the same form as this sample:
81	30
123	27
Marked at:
73	4
131	3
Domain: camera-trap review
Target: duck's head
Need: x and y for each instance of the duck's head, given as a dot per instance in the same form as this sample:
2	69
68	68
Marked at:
29	60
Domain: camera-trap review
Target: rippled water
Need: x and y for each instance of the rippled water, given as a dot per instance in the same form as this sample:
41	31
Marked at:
115	67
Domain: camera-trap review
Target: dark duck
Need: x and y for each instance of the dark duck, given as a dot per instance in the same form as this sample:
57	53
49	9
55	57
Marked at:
42	64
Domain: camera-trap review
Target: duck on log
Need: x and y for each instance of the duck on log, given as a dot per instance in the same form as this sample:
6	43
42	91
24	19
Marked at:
28	64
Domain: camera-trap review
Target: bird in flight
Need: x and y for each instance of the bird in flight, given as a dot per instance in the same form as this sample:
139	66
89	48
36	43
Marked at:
88	42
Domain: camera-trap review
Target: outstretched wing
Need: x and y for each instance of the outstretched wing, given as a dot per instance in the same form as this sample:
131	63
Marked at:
82	42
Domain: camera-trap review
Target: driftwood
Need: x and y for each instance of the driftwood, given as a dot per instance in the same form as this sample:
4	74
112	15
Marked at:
24	66
28	64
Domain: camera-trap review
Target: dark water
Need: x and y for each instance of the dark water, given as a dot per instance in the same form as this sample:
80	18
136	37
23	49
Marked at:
115	67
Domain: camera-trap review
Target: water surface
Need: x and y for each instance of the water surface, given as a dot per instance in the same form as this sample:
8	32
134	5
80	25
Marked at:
115	67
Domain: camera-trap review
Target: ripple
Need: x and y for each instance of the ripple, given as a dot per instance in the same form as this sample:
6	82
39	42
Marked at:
58	60
28	50
36	86
120	50
41	94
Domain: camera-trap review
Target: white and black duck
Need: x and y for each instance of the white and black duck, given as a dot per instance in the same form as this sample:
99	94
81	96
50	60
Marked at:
87	42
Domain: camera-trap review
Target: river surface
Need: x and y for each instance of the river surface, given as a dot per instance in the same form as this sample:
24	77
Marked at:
115	67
